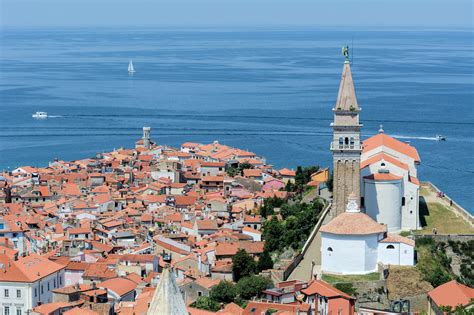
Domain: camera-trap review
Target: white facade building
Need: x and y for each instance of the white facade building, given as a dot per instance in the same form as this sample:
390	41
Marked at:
14	233
27	283
389	186
353	243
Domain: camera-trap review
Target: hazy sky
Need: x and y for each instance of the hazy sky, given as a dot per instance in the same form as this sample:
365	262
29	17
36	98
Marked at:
272	13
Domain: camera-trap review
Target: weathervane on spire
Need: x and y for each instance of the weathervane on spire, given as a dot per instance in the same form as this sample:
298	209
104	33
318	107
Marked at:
345	52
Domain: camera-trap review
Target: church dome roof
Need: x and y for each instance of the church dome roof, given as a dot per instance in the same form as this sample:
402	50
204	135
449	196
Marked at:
353	223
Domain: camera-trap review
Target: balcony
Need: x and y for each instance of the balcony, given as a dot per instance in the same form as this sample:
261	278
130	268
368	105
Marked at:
346	147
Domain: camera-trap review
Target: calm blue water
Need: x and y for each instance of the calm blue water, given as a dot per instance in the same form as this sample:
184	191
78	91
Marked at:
266	91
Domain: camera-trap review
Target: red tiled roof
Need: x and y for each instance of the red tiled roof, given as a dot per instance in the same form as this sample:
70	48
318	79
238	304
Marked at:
252	172
452	294
323	288
206	224
28	269
287	172
348	223
121	286
395	238
383	177
414	180
382	156
382	139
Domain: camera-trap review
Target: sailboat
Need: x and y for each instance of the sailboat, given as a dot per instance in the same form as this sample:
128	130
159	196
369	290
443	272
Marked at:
130	67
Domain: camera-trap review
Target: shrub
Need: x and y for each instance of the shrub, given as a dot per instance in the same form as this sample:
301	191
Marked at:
346	287
223	292
206	303
251	286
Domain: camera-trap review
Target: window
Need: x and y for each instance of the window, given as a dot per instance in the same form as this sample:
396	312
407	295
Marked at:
362	202
48	286
42	289
390	247
60	281
6	310
403	201
18	311
352	141
18	293
7	293
346	141
341	141
330	249
36	292
199	293
54	284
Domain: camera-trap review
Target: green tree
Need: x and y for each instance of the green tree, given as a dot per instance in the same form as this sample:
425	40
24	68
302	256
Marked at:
269	205
273	232
223	292
265	261
330	182
299	220
242	265
251	286
244	166
346	287
233	171
206	303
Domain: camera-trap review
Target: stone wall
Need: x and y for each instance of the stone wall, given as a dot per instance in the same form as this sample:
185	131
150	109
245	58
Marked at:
346	180
446	238
372	293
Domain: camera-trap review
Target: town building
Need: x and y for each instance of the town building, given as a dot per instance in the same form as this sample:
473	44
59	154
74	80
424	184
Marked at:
446	297
326	299
28	282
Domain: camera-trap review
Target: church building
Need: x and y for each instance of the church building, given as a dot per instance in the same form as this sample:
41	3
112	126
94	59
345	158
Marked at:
375	191
390	189
354	243
380	171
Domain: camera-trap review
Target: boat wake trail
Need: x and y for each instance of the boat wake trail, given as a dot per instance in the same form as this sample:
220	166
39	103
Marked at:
414	138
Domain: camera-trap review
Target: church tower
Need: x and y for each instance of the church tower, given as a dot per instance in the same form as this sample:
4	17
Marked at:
346	145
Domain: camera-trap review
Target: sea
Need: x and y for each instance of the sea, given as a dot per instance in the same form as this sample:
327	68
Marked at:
270	91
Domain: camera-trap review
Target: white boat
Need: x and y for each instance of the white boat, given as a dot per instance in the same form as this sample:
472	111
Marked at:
130	67
40	115
440	138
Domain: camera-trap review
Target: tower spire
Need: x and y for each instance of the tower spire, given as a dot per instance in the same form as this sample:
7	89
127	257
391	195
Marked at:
167	299
346	145
346	97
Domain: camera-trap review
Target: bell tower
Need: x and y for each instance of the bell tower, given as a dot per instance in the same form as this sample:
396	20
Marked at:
346	145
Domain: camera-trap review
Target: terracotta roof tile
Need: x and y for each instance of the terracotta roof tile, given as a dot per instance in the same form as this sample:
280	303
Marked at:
382	139
348	223
452	294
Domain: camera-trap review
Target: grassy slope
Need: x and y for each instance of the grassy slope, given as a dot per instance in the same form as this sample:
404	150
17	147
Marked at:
435	214
351	278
